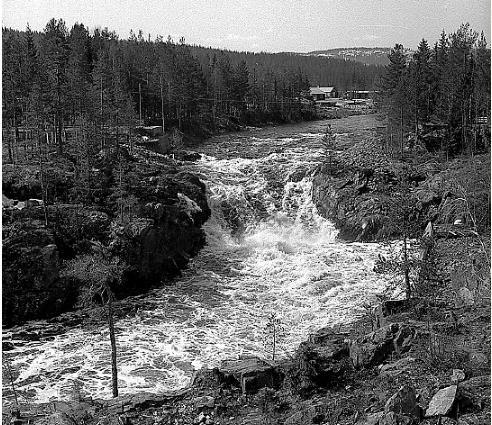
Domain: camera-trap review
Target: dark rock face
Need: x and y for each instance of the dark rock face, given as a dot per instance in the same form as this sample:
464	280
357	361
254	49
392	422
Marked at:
403	402
163	233
359	199
323	361
32	286
375	347
167	233
251	374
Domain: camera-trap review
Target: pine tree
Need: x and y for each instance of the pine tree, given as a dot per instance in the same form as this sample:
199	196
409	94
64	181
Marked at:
54	56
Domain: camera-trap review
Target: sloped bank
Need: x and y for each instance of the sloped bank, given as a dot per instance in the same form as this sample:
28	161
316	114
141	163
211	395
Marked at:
361	190
153	242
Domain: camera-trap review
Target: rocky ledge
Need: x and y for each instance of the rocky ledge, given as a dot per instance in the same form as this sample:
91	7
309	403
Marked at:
151	224
360	190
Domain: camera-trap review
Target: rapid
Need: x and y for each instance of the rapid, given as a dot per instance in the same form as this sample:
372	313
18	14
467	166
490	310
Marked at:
268	250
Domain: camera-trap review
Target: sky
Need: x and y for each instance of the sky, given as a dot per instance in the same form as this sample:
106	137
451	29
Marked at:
263	25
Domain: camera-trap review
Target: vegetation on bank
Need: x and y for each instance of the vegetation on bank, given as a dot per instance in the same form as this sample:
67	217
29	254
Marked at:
92	88
440	94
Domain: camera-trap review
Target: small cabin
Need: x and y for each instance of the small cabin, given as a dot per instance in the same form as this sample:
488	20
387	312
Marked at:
323	93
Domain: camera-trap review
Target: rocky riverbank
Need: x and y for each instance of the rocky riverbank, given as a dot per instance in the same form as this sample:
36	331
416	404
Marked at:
152	225
427	363
360	186
424	361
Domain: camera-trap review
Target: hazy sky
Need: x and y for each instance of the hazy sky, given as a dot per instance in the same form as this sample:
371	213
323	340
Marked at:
268	25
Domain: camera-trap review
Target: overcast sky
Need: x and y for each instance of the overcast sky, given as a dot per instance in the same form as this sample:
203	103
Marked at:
263	25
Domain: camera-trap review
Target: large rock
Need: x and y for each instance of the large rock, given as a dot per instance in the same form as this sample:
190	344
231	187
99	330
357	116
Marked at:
403	402
375	347
442	403
324	360
161	232
251	374
32	286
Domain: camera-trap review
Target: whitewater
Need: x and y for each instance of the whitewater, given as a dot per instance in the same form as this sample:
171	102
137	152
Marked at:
268	251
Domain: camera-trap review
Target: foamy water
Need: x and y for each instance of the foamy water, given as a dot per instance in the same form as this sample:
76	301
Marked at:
280	256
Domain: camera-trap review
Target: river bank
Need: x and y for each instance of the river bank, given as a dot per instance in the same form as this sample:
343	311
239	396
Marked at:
319	382
145	209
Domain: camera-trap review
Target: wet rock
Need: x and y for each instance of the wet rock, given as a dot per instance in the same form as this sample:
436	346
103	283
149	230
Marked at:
442	402
7	346
251	374
403	402
189	156
375	347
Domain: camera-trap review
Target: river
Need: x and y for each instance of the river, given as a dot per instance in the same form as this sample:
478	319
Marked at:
267	251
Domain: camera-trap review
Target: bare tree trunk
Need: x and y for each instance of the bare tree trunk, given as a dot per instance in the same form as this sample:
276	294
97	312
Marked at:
162	107
43	185
401	131
406	271
114	369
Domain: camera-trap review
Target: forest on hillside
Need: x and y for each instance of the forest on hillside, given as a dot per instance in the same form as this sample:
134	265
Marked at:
64	78
440	94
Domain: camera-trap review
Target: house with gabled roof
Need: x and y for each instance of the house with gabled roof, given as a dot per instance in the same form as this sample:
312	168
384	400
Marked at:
323	93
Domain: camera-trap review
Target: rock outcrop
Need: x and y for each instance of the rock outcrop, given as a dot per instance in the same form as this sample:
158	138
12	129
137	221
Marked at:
375	347
154	239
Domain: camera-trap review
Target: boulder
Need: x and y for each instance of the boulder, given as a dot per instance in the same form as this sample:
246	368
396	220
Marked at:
403	402
442	403
324	360
251	374
375	347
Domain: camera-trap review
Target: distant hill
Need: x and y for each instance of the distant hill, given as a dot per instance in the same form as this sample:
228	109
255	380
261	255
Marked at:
366	55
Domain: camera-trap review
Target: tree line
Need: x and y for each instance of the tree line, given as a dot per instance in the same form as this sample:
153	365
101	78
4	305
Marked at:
64	78
445	87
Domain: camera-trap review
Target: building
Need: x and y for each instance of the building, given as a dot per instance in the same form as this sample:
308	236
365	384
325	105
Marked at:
323	93
360	94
